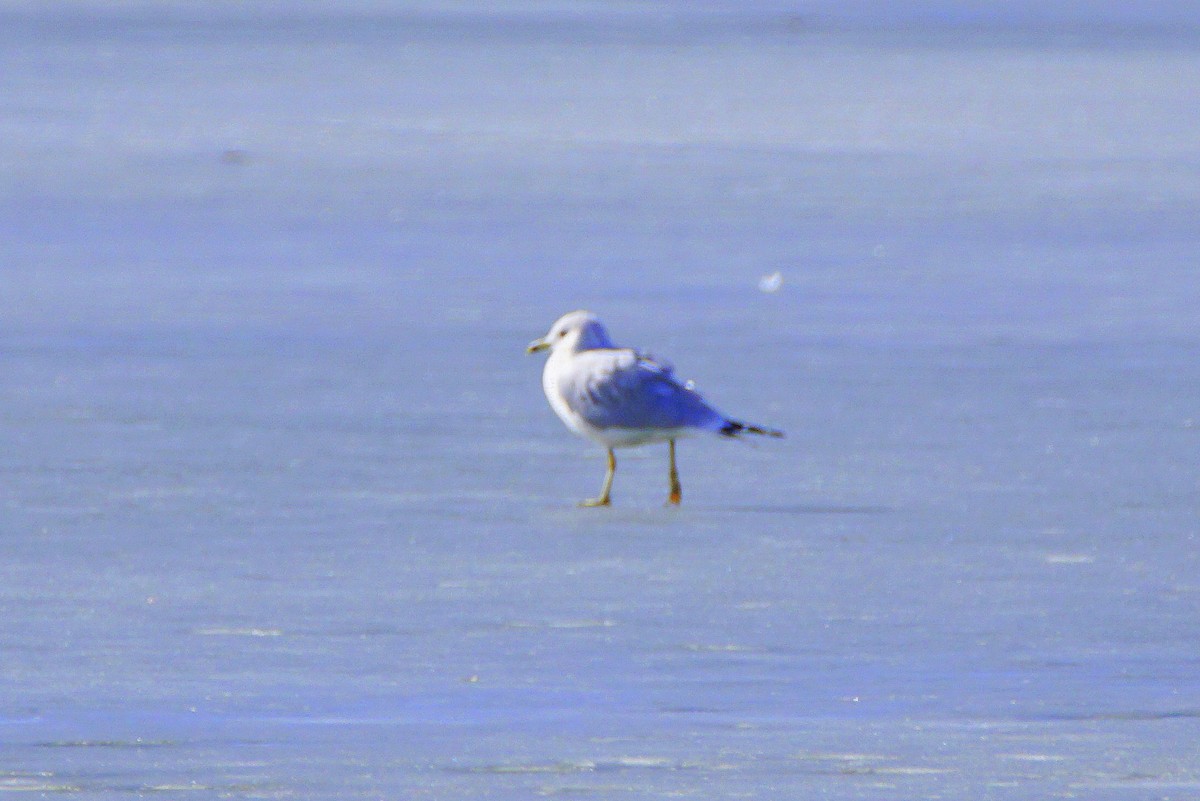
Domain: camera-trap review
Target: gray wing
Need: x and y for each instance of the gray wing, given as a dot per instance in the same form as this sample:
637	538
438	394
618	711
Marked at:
614	388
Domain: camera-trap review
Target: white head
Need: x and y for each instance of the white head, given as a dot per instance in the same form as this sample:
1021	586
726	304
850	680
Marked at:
579	330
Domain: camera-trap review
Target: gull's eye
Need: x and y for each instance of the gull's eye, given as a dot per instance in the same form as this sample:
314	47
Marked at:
562	334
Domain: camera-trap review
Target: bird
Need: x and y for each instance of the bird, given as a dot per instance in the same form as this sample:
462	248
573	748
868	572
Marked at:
622	397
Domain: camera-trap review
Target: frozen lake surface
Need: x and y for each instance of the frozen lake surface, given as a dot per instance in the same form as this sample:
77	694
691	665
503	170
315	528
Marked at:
284	514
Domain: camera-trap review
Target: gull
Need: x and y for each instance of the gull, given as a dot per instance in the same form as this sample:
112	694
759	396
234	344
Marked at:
621	398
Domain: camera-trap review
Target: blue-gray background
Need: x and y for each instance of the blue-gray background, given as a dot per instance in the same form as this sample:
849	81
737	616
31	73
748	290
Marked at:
283	513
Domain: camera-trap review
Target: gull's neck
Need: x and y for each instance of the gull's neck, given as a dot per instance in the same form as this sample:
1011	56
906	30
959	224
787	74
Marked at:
590	337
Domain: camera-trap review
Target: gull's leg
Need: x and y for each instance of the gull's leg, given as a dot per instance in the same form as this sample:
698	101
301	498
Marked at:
676	488
604	499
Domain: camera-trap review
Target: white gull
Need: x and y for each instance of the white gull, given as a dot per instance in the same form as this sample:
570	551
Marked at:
620	398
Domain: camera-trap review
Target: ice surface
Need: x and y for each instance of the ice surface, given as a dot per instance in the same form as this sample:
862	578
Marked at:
283	512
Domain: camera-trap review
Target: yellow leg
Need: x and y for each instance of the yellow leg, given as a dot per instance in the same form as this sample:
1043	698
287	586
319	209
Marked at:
676	488
604	499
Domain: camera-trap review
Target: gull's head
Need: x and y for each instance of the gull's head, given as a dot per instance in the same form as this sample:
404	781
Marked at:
579	330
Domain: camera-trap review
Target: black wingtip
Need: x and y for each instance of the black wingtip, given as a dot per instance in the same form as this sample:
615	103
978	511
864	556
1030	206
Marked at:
732	428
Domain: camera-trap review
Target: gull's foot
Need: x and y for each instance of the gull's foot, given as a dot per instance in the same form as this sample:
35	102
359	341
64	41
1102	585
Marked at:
605	501
675	498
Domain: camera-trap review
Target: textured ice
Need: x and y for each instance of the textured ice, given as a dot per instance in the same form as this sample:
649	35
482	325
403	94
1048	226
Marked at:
283	513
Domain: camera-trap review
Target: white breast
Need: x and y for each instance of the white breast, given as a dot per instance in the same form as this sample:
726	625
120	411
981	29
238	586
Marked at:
558	400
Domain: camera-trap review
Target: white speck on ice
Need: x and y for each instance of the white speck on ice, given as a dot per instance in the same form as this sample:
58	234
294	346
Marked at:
771	283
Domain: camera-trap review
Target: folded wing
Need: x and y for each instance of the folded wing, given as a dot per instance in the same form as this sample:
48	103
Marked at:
620	388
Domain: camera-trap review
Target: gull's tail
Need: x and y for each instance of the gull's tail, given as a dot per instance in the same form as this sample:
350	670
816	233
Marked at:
734	428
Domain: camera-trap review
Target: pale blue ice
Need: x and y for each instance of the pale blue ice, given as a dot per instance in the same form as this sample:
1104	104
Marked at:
283	512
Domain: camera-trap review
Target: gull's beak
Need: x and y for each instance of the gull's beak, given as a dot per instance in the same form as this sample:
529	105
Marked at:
536	345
